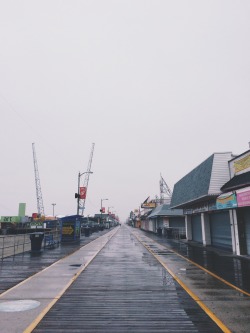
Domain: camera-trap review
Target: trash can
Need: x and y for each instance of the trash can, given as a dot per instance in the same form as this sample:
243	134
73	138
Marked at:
169	233
36	241
87	231
159	231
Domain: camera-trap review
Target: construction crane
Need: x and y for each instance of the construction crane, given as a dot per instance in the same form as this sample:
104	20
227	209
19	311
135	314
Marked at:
165	192
86	180
39	197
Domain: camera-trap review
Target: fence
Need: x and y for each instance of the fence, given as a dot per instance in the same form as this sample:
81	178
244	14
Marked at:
175	233
11	245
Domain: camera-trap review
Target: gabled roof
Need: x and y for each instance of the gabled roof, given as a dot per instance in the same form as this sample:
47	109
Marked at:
165	210
146	214
202	183
234	157
236	182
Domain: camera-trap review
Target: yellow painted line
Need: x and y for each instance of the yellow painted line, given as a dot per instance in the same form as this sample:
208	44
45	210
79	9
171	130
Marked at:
219	323
36	321
207	271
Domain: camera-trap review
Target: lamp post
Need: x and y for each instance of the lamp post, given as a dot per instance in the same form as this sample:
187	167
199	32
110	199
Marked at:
78	188
110	207
109	219
53	204
101	207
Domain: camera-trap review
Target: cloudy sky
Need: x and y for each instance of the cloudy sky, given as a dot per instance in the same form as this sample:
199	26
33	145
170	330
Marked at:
157	85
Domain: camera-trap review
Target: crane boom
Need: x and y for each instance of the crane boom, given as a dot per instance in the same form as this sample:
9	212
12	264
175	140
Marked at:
86	179
164	191
39	197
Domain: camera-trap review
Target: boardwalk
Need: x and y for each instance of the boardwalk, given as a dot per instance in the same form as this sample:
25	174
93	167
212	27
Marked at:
124	282
125	289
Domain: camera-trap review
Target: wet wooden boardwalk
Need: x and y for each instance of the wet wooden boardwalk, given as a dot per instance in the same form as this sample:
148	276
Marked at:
125	289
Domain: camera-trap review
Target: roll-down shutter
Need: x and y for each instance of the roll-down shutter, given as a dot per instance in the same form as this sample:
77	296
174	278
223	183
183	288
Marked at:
247	229
221	230
196	228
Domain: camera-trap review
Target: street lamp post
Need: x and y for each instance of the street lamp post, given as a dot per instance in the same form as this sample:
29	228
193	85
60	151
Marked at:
101	207
109	220
78	188
53	204
110	207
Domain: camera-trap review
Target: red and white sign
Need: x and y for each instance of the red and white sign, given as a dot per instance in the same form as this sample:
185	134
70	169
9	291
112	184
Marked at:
83	191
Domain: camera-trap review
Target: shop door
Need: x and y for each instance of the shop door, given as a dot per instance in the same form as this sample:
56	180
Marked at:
247	229
221	230
151	226
159	223
196	228
178	225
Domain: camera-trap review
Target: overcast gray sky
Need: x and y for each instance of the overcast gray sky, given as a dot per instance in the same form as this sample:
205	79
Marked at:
157	85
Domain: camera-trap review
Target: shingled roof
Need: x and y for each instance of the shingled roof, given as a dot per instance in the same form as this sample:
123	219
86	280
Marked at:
165	210
202	183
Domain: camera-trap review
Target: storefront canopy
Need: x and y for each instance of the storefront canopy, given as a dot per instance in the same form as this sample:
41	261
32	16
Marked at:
165	210
237	182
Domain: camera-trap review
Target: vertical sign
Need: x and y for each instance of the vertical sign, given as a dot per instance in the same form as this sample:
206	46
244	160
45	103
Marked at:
83	191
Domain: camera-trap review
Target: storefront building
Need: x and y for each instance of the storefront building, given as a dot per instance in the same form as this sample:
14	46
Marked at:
166	221
236	197
196	193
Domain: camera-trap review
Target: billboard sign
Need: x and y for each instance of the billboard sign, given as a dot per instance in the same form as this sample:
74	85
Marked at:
148	205
243	198
70	230
242	164
227	200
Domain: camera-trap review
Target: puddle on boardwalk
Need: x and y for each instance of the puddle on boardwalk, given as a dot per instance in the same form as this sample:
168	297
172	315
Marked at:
18	306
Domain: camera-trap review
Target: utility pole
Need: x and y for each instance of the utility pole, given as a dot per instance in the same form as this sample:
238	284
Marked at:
53	204
77	195
101	208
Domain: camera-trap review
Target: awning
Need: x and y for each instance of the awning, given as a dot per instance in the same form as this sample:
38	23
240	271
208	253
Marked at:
237	182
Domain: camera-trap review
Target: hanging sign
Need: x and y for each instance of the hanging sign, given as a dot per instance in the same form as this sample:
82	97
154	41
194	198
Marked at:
83	191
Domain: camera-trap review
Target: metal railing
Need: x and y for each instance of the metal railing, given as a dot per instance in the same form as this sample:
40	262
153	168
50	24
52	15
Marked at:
11	245
51	238
175	233
14	244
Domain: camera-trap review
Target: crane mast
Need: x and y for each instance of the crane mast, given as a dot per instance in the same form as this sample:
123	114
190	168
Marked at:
86	179
165	192
39	197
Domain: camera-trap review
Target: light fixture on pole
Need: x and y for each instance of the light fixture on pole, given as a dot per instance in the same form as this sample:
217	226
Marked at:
77	195
53	204
108	209
102	208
